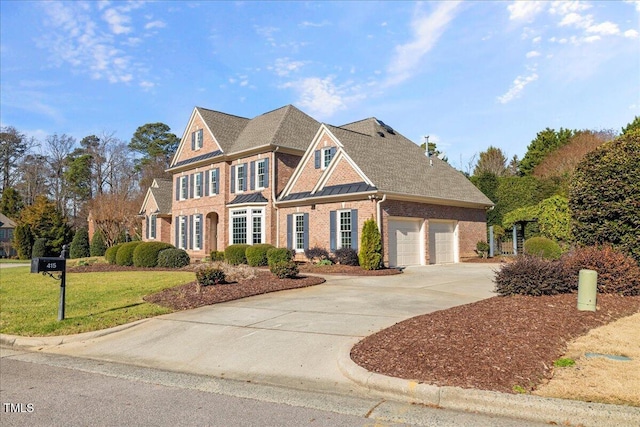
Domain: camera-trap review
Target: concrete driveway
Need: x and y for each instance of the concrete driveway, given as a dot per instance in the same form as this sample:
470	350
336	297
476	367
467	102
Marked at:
291	338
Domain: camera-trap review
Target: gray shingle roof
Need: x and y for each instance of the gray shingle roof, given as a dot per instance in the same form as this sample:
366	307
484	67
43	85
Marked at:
225	127
395	164
163	194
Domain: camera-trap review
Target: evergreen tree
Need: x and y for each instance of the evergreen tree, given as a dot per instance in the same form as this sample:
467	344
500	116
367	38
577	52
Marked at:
370	255
11	202
23	241
98	247
39	248
80	244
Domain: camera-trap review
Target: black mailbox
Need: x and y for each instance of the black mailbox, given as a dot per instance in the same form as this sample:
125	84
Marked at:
40	265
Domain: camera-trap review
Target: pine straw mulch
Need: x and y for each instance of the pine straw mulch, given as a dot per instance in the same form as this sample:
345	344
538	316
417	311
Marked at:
493	344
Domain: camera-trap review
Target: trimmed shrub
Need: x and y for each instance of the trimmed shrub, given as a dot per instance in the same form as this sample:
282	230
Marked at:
210	274
124	256
236	254
531	275
617	273
542	247
39	248
80	245
370	257
316	254
257	254
146	253
217	256
346	256
276	255
110	253
284	269
98	247
173	258
482	249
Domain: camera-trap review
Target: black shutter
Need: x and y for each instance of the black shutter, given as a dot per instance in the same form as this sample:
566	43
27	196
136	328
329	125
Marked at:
233	179
177	239
332	231
193	140
201	233
206	182
147	231
289	231
201	137
317	154
191	179
252	175
333	152
217	173
354	229
190	232
178	188
266	173
246	178
305	224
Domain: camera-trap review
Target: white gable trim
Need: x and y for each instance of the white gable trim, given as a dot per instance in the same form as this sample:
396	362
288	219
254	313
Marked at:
340	155
147	198
186	136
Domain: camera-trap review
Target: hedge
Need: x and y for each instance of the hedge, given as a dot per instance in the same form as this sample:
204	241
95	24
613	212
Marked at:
257	254
146	253
125	253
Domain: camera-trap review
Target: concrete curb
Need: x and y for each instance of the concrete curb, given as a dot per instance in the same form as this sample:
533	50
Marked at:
522	406
16	341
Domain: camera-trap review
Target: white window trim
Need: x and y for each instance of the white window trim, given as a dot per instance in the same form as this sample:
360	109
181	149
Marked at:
198	188
199	137
153	227
242	166
296	231
197	241
212	175
182	232
251	212
184	189
339	227
257	180
324	153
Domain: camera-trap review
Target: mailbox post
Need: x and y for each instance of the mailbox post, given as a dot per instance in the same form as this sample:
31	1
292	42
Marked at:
46	265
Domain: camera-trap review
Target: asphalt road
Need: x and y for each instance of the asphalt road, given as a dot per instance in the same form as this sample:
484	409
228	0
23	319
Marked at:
46	390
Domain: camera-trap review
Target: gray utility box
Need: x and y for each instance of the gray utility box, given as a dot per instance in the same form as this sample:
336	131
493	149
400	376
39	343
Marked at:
41	265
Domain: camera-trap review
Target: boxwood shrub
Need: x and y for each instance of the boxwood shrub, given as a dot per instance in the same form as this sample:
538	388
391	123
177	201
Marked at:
210	274
257	254
124	256
275	255
146	253
110	253
173	258
236	254
284	269
542	247
217	256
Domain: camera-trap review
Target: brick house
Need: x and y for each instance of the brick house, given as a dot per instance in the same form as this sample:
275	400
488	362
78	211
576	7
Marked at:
285	179
7	228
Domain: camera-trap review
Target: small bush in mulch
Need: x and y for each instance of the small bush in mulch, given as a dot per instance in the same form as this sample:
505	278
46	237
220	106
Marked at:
532	275
617	273
125	253
217	256
346	256
146	253
173	258
257	254
542	247
284	269
316	254
276	255
236	254
210	274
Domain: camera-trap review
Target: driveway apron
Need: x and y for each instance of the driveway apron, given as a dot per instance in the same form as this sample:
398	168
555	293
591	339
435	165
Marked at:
291	338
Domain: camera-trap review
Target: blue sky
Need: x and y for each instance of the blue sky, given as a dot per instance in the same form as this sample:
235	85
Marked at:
469	74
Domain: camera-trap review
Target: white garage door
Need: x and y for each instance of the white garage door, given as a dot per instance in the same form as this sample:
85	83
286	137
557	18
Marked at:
404	242
441	242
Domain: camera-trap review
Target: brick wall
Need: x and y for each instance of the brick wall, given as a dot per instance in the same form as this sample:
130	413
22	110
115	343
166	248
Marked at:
310	175
208	143
343	173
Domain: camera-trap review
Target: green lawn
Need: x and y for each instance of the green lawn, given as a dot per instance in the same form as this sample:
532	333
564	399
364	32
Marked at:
29	302
14	261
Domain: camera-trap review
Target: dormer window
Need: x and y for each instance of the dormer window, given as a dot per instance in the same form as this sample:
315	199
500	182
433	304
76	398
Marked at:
323	157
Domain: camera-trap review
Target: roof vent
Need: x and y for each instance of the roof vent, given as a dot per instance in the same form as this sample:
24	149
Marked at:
381	134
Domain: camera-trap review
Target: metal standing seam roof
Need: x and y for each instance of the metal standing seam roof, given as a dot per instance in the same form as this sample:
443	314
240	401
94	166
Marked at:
334	190
198	158
248	198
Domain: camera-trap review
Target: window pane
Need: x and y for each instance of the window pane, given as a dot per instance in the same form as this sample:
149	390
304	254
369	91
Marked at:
345	229
197	232
240	178
152	223
257	229
239	229
183	187
213	183
299	232
183	232
261	176
198	185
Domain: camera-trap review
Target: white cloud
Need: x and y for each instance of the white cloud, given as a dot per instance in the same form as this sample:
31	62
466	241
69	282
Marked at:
564	7
532	54
284	66
307	24
147	85
155	24
525	10
427	29
591	39
319	96
606	28
267	33
636	2
631	34
576	20
517	87
118	22
536	39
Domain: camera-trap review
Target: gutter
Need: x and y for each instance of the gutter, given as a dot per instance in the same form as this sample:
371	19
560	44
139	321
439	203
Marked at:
273	196
379	212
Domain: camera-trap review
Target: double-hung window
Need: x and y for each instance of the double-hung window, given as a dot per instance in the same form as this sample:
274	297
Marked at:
197	139
182	232
261	173
343	229
184	187
213	181
198	185
298	232
344	236
247	226
240	177
327	155
152	226
197	232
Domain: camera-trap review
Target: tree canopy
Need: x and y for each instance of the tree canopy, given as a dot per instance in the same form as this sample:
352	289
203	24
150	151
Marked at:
546	141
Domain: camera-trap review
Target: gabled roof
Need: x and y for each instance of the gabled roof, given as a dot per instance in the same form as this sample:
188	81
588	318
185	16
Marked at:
6	222
396	165
225	127
161	191
285	127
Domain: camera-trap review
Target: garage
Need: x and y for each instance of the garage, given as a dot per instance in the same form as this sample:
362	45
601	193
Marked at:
442	242
405	241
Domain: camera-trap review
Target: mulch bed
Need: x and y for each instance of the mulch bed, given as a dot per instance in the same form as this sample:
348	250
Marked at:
493	344
347	270
191	295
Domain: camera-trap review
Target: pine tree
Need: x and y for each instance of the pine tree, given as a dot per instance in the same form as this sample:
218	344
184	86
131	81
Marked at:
23	241
80	244
370	256
98	247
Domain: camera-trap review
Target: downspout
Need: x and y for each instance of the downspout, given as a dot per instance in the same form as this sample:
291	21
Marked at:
379	212
273	196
